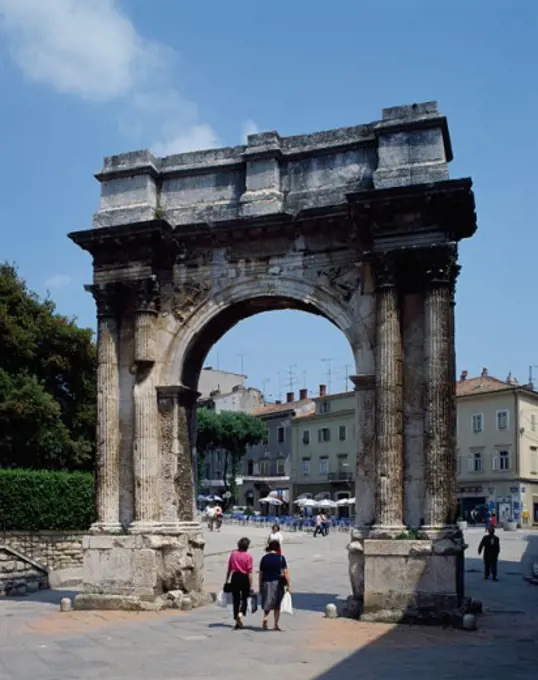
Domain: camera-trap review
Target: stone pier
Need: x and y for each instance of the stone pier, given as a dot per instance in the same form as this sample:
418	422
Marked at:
359	225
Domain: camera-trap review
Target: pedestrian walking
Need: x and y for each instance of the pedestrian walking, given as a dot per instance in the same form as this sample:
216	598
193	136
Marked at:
218	517
210	517
239	577
274	581
318	526
324	525
276	535
490	546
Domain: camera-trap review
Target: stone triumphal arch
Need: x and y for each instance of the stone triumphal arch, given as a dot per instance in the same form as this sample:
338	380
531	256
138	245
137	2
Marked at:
359	225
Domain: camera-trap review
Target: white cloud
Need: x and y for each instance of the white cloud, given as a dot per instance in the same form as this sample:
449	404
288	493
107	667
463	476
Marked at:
58	281
193	138
249	128
88	48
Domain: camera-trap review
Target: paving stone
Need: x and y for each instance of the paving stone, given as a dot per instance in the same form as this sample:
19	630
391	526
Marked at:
36	640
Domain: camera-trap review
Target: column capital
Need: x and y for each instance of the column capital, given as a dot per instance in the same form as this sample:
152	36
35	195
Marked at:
106	296
441	265
185	396
385	267
147	295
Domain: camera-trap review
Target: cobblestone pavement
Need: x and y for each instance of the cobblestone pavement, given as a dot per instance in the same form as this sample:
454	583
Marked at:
37	641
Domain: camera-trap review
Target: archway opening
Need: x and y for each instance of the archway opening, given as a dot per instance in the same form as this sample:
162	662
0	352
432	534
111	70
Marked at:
219	325
296	365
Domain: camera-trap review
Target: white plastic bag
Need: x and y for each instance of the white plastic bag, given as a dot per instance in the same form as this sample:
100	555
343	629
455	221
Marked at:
286	606
222	600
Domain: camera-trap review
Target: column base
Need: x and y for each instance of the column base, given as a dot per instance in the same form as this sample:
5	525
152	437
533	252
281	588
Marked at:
413	581
164	528
143	571
380	531
436	533
106	528
361	532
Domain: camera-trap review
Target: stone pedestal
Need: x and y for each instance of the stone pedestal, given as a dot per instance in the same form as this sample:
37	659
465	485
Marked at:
136	572
412	580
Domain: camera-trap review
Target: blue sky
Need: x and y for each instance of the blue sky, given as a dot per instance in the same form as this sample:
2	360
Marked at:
81	79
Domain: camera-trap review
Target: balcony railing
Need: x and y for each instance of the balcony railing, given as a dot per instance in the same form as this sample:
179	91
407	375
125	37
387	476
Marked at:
340	476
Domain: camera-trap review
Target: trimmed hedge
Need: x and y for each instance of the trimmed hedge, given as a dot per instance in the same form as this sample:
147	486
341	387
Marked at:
39	500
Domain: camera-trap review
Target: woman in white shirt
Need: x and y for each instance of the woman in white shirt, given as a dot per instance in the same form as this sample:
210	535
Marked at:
276	535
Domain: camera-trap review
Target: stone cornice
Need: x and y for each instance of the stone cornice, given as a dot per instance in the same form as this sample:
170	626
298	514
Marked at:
447	208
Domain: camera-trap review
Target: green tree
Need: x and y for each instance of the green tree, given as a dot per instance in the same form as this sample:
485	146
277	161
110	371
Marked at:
231	433
47	382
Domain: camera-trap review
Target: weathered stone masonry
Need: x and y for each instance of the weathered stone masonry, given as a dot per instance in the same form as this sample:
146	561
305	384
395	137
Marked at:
359	225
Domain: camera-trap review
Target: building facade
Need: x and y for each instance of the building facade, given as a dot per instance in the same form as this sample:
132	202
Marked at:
497	457
324	450
212	380
223	391
267	466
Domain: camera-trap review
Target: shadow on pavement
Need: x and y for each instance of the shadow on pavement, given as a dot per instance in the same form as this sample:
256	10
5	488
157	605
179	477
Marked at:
504	646
314	602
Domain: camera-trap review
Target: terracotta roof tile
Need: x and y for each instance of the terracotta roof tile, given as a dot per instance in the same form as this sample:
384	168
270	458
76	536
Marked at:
483	385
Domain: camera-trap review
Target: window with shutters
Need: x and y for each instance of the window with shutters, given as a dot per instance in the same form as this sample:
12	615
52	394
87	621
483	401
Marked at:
306	467
475	462
250	467
502	419
533	422
477	421
324	434
281	466
501	461
306	436
264	468
342	433
324	466
280	435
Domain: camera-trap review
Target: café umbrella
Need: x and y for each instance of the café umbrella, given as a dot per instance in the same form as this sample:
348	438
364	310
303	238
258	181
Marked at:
271	500
326	503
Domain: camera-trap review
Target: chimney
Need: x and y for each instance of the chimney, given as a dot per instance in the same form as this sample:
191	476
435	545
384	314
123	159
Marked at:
322	390
464	375
290	396
484	373
303	394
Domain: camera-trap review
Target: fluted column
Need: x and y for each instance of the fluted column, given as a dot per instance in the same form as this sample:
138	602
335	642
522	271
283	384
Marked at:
365	484
108	395
439	359
146	458
176	405
146	312
389	406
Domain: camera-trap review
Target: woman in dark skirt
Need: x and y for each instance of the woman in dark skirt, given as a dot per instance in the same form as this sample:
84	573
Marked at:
274	580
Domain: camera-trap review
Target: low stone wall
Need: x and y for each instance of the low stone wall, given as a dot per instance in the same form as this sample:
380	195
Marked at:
53	549
18	575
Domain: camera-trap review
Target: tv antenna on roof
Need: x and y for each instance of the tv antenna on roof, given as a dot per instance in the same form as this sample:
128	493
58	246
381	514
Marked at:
328	363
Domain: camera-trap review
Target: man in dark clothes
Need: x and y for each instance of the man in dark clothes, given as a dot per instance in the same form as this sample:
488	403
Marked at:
491	546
